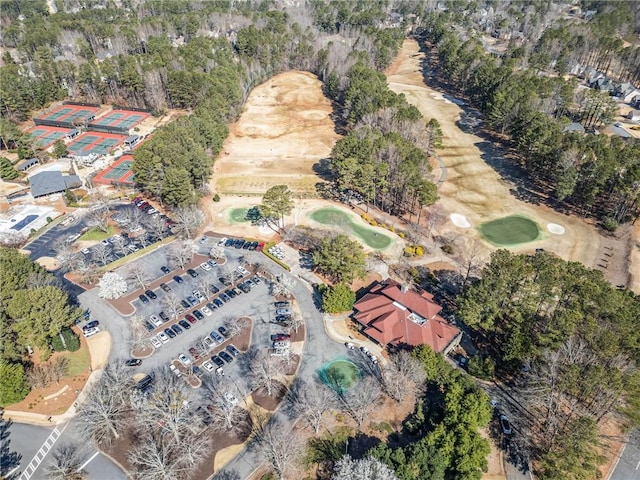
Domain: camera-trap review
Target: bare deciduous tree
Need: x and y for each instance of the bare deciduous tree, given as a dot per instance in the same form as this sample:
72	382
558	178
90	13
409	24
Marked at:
106	410
180	253
310	400
283	287
155	224
361	400
102	253
138	274
279	446
188	220
264	370
235	325
295	323
69	259
217	252
363	469
65	464
402	375
171	304
120	245
42	279
90	274
99	218
139	333
134	218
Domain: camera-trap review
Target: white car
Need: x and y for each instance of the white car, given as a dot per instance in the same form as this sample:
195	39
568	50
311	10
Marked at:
132	248
90	332
155	342
186	361
197	294
349	345
222	241
208	366
206	311
243	271
173	368
163	337
209	342
205	266
85	251
155	320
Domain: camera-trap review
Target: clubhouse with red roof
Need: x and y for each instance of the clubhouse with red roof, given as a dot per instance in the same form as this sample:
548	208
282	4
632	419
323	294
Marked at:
391	314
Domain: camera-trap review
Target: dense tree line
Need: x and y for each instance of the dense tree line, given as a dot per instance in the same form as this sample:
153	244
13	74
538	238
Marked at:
595	174
444	427
577	337
33	309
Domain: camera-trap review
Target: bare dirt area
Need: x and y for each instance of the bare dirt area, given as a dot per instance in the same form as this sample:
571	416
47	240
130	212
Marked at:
473	187
284	130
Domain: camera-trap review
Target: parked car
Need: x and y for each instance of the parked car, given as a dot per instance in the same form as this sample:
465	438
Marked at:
233	350
212	263
260	246
228	242
207	311
170	333
190	318
155	320
349	345
151	294
281	304
211	305
176	372
225	281
176	329
282	318
165	269
184	324
218	302
165	287
224	297
163	337
197	371
226	357
178	279
198	294
182	358
155	342
223	331
185	304
216	336
215	359
91	324
90	332
208	342
205	266
192	273
208	366
143	298
256	280
230	293
198	314
133	362
505	425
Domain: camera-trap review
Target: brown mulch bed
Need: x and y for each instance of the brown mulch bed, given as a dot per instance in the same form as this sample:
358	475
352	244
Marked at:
269	402
298	336
291	367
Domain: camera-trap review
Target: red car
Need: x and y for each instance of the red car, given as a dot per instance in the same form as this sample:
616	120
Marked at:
191	318
260	247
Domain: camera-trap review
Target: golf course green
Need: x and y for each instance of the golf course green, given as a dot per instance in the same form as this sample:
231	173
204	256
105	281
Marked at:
510	231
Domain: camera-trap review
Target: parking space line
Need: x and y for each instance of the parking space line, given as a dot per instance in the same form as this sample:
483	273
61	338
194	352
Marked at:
88	461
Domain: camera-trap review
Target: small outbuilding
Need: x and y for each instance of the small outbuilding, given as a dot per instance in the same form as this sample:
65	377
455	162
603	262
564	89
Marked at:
24	165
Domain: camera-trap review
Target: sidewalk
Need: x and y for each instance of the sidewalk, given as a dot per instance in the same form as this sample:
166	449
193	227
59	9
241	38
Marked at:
336	328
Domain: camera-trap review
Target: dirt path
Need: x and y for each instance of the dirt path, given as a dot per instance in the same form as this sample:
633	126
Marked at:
472	187
284	130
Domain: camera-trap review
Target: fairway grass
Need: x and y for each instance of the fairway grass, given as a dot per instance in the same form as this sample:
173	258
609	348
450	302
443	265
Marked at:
510	231
352	226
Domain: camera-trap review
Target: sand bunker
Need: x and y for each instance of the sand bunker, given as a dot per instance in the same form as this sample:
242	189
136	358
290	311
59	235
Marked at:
555	228
459	220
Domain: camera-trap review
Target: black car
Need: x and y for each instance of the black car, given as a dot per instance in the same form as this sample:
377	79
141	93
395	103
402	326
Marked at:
165	287
148	326
176	328
226	357
198	314
230	293
151	295
233	350
192	273
170	333
178	278
223	331
238	243
215	359
281	304
184	324
246	245
225	281
192	300
133	362
211	306
197	371
185	304
213	288
91	324
165	269
164	316
143	299
283	318
225	298
253	246
229	242
218	302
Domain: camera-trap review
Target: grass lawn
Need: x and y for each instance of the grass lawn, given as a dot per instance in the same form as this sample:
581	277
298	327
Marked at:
79	361
95	234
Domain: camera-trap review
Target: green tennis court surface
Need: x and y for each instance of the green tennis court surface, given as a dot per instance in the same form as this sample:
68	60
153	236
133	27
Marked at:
45	136
56	114
93	144
119	171
119	119
509	231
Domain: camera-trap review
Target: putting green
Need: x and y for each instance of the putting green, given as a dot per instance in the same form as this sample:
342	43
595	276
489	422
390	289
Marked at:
339	374
237	215
336	217
511	230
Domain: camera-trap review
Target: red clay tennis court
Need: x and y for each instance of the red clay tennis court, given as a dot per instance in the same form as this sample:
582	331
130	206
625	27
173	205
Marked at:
96	143
119	172
122	119
69	114
46	136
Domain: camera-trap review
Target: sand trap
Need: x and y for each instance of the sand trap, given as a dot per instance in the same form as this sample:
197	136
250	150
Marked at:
459	220
555	228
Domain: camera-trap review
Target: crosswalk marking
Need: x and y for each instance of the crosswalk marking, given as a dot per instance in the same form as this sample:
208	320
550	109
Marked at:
42	453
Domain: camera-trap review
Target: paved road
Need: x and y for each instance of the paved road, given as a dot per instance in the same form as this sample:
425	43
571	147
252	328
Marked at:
628	467
27	440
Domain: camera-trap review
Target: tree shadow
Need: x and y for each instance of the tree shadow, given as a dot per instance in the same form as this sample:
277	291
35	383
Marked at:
323	169
8	459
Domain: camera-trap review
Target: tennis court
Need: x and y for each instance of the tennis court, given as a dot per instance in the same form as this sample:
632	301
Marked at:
94	143
46	136
123	119
119	172
70	114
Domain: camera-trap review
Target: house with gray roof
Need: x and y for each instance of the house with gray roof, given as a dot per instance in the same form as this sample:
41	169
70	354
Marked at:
47	183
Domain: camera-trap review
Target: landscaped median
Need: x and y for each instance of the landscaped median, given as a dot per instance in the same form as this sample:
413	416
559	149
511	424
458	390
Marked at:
139	253
272	257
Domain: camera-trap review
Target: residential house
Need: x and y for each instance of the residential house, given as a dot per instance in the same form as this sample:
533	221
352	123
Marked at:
391	314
